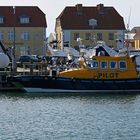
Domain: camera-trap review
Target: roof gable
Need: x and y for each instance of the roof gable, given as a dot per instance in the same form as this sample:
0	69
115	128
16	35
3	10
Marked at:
106	17
36	16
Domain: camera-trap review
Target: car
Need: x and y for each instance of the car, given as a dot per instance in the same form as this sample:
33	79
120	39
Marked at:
28	58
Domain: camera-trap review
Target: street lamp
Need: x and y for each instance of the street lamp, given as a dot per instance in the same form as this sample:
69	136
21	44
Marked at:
13	48
44	46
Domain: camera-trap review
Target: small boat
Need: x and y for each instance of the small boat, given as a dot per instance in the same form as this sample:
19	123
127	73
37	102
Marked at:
100	73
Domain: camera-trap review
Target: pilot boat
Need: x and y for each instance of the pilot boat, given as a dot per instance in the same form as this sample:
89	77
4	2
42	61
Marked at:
100	73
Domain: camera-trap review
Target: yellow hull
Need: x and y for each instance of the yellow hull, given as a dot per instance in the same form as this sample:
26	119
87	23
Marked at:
104	73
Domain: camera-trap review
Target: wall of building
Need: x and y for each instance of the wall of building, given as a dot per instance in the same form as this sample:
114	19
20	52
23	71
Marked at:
68	36
33	44
59	36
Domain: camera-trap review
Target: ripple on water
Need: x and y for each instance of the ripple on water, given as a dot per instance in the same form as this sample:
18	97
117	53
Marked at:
100	117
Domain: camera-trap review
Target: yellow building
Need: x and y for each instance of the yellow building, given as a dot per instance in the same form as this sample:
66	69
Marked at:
90	24
137	40
24	28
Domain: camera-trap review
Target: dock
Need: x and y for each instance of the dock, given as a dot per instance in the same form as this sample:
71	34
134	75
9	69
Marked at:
26	68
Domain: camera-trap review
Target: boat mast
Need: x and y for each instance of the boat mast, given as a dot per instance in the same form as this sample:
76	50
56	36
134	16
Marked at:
127	31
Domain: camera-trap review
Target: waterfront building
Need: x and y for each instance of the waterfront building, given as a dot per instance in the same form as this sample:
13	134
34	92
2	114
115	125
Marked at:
136	37
132	38
90	24
137	40
24	28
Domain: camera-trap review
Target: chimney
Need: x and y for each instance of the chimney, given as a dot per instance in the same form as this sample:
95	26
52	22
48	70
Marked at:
100	7
79	9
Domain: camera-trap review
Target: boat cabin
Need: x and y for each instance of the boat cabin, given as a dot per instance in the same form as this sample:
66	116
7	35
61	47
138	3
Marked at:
104	67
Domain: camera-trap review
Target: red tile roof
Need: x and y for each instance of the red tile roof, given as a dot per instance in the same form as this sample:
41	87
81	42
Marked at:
107	18
37	17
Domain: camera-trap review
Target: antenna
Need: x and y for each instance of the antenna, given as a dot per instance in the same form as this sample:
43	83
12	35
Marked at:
128	23
127	30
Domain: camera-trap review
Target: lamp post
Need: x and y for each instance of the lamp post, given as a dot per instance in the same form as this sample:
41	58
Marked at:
14	37
44	46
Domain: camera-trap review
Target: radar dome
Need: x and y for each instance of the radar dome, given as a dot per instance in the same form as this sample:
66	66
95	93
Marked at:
4	60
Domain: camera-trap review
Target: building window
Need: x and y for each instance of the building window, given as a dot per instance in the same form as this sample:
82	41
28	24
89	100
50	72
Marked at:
1	19
76	35
11	36
1	36
99	36
25	36
111	36
24	50
87	36
24	20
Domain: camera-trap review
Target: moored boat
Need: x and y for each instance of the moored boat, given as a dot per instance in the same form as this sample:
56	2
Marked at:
97	74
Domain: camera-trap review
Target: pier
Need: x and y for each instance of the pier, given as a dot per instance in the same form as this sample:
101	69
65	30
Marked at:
26	68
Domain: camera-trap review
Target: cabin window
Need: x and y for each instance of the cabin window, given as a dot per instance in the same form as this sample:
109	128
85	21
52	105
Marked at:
122	65
93	64
104	64
113	64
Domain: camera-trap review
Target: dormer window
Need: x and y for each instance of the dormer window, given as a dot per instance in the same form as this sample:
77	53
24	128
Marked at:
1	19
92	23
24	20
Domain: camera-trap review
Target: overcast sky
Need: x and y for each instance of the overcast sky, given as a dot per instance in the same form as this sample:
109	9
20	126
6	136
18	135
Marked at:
52	8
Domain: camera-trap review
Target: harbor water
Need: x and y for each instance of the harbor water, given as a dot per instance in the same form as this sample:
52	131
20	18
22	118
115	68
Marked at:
96	117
